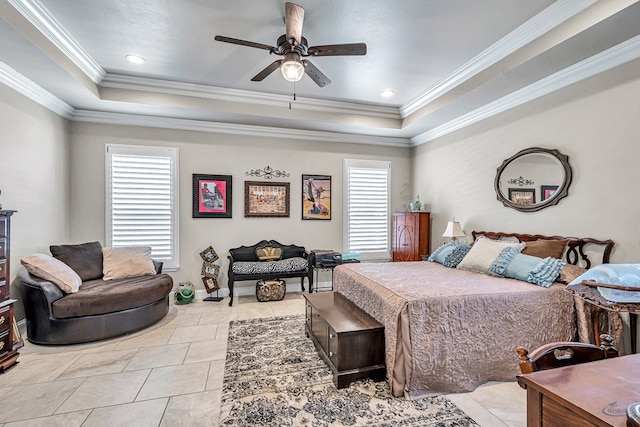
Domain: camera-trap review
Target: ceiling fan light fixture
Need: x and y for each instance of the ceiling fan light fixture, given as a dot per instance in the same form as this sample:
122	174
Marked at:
292	68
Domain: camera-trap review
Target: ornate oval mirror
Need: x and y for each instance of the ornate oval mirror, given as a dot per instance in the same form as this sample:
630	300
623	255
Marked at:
533	179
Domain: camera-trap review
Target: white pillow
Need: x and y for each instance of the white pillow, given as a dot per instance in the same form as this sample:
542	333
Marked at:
55	271
126	261
483	252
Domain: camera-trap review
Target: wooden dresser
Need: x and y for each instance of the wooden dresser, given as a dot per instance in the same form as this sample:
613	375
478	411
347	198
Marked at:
9	342
410	235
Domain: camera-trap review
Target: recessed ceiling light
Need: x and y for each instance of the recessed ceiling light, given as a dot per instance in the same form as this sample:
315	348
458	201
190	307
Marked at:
387	93
135	59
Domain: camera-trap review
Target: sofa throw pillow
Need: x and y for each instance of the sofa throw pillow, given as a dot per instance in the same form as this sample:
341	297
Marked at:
127	261
483	253
268	253
85	258
55	271
545	248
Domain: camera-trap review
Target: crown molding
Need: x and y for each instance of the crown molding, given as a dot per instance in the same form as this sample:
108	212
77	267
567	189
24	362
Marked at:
543	22
120	81
123	119
24	86
622	53
44	21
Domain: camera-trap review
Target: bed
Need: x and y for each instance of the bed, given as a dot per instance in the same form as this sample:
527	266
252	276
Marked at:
450	330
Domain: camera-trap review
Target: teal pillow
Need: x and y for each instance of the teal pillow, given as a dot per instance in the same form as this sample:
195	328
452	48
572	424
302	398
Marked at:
449	254
439	254
539	271
521	266
454	258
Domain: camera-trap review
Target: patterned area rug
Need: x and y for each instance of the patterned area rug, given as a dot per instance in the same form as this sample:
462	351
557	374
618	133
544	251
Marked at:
274	377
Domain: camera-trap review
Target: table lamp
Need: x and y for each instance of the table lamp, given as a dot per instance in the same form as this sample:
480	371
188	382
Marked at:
453	231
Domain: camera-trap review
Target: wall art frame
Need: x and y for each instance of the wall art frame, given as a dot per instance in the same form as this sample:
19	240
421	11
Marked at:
547	191
522	196
316	197
212	196
266	199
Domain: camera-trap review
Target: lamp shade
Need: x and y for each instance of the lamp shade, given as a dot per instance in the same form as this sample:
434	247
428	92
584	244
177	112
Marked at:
453	230
291	68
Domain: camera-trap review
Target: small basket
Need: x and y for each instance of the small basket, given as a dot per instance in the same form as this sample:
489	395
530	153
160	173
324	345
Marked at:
271	290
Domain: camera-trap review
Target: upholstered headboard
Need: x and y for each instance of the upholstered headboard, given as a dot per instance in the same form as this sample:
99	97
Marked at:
575	253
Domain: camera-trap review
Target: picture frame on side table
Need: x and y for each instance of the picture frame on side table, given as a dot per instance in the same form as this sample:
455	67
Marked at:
523	196
266	199
316	197
212	196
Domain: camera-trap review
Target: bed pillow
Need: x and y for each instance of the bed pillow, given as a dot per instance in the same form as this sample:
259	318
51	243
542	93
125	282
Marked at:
483	253
441	253
55	271
539	271
569	273
449	254
545	248
126	262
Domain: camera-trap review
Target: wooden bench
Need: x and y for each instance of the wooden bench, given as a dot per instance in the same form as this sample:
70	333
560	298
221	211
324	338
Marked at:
349	340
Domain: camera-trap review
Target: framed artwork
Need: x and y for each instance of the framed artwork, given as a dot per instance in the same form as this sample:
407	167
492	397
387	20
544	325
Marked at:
210	269
547	191
522	196
209	255
210	284
316	197
266	199
211	196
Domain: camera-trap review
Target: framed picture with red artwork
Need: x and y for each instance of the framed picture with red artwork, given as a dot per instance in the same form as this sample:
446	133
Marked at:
211	196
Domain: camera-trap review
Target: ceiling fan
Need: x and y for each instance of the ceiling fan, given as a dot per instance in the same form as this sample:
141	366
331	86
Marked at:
292	46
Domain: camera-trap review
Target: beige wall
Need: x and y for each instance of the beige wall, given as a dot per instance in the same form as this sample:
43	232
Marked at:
595	123
210	153
34	176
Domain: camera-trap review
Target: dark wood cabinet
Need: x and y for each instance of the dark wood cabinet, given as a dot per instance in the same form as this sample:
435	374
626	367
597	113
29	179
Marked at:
410	235
9	340
349	340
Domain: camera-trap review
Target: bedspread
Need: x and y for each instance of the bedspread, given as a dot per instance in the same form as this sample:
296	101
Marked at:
449	330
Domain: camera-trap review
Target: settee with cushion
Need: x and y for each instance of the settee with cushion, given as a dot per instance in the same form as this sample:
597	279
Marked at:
268	260
87	293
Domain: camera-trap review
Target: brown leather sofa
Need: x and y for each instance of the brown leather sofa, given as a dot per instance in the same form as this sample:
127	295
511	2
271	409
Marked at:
100	309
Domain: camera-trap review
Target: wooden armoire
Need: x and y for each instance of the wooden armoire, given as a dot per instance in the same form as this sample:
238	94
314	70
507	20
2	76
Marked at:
410	236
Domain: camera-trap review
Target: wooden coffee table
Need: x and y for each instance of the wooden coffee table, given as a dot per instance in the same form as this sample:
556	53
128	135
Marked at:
590	394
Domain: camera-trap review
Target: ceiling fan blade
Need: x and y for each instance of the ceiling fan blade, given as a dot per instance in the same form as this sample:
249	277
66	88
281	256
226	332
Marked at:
245	43
294	17
338	49
270	69
315	74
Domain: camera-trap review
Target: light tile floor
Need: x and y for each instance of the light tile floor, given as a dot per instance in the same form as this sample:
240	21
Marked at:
170	375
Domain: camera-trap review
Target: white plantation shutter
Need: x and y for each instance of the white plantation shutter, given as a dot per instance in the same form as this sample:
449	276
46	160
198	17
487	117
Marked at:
367	206
142	200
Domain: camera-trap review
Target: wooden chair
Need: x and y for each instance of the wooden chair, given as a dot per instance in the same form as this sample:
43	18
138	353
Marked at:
559	354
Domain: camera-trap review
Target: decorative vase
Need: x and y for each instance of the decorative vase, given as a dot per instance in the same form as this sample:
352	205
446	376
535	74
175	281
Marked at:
415	206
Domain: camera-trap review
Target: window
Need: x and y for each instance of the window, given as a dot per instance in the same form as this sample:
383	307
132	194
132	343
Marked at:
142	200
367	206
